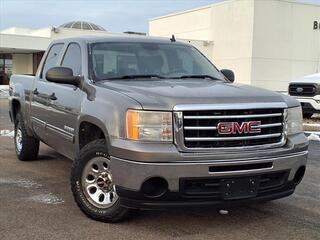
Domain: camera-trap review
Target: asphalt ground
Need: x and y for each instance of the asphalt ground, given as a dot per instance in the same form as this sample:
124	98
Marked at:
36	203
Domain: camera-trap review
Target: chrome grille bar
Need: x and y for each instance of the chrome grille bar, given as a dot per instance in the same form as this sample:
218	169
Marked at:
200	128
233	138
235	116
214	128
269	125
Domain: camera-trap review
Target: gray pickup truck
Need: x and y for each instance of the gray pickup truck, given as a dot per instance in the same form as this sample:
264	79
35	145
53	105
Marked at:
152	124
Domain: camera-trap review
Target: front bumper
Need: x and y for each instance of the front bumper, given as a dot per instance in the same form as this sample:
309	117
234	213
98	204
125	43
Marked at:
130	175
137	200
310	104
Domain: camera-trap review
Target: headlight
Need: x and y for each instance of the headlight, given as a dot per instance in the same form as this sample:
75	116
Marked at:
149	125
294	120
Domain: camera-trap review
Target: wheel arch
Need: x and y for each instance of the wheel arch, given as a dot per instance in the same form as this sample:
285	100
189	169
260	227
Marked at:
15	108
95	125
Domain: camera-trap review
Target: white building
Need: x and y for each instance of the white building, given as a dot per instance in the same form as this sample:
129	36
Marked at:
266	42
21	49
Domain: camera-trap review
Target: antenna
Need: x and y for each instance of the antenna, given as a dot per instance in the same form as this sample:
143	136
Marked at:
172	39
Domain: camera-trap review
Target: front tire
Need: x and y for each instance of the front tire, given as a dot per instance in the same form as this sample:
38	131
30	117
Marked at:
92	185
27	147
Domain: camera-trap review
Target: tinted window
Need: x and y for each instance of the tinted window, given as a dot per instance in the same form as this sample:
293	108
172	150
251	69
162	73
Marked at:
52	58
72	58
112	60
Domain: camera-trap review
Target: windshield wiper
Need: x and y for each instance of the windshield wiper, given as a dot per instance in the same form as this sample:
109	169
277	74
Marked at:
198	76
136	76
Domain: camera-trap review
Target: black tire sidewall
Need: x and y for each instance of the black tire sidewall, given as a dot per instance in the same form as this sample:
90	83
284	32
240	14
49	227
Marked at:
29	145
102	214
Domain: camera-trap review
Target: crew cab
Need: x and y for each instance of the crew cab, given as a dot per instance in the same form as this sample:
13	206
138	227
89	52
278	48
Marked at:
151	123
307	91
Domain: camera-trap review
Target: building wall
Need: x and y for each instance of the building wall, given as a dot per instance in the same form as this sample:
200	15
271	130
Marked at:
232	33
194	24
267	43
227	26
285	45
22	64
22	43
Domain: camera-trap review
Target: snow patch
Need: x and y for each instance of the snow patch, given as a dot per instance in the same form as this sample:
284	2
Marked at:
48	198
45	198
6	133
25	183
314	137
4	91
4	87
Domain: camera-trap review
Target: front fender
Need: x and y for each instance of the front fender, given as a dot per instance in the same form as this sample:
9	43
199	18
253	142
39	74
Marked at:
92	120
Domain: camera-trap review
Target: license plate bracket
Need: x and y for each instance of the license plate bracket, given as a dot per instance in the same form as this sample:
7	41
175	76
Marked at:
239	188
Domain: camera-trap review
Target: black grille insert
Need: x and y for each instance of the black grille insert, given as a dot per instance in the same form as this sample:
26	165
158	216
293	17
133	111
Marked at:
240	167
303	89
211	187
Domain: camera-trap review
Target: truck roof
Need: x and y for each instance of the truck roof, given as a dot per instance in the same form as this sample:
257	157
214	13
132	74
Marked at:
118	38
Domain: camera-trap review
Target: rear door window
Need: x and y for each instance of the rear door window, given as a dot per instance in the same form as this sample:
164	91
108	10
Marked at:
72	58
52	58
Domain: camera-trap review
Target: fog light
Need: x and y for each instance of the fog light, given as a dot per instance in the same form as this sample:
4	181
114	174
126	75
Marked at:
154	187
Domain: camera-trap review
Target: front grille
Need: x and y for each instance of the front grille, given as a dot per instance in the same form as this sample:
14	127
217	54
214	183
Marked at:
211	187
302	89
200	128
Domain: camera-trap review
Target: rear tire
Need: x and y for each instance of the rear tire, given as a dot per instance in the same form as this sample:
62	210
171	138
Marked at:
307	115
26	146
92	185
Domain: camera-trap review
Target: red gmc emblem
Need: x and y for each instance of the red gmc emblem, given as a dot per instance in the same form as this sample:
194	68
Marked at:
227	128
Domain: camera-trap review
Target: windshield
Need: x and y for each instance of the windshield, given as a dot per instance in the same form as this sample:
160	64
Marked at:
160	60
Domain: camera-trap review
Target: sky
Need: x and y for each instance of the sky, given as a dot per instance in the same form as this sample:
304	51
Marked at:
113	15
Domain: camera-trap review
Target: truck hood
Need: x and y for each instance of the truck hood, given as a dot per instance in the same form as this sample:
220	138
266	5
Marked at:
165	94
314	78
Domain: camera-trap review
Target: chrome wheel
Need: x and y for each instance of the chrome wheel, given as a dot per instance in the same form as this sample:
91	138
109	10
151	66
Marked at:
18	140
97	183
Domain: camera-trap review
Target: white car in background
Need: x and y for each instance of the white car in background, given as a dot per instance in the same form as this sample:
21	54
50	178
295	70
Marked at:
307	91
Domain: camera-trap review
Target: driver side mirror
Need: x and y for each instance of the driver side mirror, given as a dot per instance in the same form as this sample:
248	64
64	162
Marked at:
229	74
62	75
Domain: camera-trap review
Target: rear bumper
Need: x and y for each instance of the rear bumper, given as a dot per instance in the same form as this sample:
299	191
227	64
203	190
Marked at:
129	177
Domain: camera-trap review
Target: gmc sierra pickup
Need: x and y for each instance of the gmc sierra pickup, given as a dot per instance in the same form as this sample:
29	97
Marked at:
152	124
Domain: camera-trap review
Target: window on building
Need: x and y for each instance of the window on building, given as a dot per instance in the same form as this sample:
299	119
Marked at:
72	58
36	60
5	68
52	58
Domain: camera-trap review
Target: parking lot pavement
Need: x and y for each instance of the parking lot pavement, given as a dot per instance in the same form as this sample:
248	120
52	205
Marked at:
36	203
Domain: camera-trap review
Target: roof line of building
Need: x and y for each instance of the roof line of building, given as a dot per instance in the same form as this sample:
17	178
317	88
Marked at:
222	3
22	35
191	10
